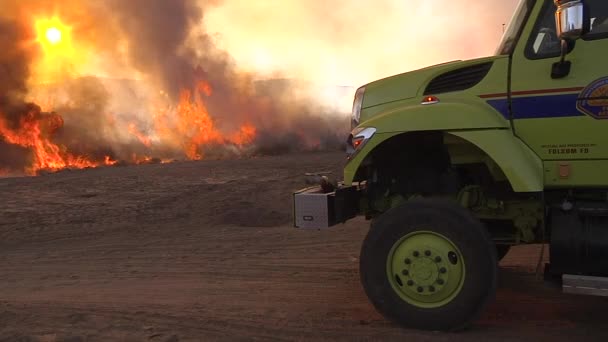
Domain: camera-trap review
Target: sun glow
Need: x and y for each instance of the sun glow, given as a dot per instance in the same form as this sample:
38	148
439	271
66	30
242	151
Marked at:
53	35
60	55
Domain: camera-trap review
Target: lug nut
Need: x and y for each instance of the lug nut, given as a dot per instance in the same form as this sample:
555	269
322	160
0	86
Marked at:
416	254
431	288
453	258
440	281
437	259
405	272
420	289
410	283
427	253
408	261
442	270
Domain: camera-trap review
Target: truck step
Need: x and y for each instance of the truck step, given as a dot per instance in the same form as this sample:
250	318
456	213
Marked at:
585	285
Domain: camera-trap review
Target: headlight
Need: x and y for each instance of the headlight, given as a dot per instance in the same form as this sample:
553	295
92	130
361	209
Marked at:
358	101
357	139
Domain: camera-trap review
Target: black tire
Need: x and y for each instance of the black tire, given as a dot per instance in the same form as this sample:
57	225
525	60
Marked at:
501	251
470	237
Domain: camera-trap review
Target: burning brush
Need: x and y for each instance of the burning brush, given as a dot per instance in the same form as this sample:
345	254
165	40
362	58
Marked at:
179	97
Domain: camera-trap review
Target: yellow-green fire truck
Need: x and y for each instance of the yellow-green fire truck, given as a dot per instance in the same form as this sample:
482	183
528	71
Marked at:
455	163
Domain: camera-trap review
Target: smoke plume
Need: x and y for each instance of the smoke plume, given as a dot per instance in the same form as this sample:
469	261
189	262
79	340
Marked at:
155	80
13	75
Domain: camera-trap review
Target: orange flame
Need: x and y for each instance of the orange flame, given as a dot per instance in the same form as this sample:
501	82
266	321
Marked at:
196	125
108	161
32	133
188	127
205	88
139	135
245	136
46	154
135	159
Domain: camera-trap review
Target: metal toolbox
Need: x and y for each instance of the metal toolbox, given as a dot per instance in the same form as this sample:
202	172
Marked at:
314	209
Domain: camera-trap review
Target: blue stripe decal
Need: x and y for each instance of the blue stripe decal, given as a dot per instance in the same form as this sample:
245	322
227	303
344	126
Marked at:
539	107
501	105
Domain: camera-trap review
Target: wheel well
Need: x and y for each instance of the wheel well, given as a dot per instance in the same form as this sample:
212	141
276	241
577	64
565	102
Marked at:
421	157
438	164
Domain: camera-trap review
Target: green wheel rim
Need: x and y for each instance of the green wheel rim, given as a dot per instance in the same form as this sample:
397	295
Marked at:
425	269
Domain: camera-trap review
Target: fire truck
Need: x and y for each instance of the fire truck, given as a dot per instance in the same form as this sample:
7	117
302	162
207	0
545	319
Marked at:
455	163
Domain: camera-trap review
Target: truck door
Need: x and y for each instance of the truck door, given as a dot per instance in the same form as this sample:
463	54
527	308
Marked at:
562	119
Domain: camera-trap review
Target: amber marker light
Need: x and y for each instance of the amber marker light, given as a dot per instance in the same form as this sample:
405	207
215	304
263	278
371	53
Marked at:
427	100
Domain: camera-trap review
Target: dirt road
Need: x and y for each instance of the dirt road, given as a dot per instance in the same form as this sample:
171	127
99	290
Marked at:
204	251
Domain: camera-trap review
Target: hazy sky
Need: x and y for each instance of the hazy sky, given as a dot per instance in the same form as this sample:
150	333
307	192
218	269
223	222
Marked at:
327	42
205	56
349	42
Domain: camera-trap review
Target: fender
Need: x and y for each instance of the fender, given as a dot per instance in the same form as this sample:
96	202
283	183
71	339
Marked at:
486	129
453	112
522	167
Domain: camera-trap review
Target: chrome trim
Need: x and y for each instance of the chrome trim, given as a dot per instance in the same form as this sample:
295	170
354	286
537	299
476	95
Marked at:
357	103
361	132
365	132
569	19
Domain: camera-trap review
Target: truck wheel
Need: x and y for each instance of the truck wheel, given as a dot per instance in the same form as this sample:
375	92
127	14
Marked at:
501	251
428	264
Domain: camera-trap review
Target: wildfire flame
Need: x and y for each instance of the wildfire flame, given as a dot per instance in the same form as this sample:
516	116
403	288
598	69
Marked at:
139	135
33	132
108	161
81	115
185	128
189	123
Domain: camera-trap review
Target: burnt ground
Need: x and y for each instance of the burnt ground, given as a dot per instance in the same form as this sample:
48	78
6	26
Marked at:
205	251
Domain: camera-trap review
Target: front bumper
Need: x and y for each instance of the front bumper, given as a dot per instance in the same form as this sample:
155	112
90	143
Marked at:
314	209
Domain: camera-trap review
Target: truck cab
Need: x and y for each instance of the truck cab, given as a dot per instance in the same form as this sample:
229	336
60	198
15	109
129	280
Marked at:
455	163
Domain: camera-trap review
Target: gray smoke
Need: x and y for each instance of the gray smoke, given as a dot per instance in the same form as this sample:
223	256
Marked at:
165	42
14	72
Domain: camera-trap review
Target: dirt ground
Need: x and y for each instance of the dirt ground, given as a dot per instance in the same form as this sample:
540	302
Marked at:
204	250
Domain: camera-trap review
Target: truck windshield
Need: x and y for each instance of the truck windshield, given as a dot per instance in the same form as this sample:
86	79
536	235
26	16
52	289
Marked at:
511	35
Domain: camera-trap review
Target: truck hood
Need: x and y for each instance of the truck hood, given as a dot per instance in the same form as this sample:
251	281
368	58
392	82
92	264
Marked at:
410	84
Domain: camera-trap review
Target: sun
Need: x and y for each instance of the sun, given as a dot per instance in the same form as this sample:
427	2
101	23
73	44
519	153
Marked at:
59	51
53	35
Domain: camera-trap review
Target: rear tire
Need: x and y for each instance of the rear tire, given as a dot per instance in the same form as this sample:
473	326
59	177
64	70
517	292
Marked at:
428	264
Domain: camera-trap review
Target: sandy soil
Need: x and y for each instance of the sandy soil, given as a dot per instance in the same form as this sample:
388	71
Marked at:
205	251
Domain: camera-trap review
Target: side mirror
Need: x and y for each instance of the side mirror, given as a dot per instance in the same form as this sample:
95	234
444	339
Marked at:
572	23
571	19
